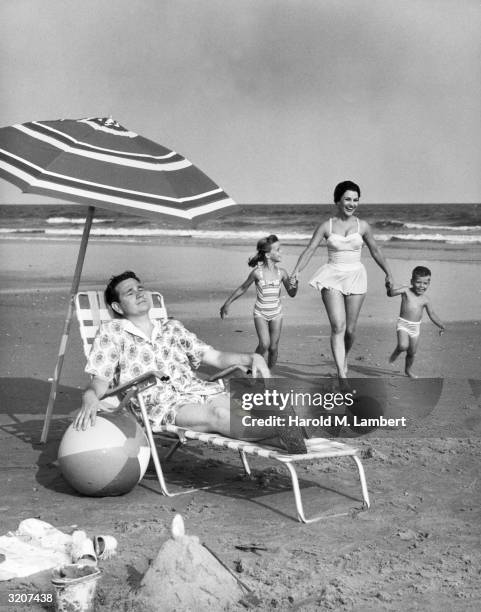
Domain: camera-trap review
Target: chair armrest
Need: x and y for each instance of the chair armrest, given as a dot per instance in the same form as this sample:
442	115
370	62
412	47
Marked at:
142	382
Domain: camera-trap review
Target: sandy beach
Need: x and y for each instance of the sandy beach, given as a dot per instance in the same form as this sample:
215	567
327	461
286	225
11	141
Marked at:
417	548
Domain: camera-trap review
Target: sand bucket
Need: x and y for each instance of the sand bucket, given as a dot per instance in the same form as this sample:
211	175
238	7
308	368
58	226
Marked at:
75	587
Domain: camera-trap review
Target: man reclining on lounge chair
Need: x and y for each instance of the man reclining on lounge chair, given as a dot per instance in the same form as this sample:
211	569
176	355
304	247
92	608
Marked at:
134	344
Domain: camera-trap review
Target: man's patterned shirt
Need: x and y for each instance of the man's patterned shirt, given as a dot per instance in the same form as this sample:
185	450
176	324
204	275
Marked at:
121	352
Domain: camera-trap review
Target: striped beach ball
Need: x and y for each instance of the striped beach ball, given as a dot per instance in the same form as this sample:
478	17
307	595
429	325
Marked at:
107	459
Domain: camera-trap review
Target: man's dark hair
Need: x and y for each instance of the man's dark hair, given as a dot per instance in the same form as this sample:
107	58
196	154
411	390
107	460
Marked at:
110	293
341	189
421	271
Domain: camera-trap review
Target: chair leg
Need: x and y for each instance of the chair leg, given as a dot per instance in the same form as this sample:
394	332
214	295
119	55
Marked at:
362	478
298	497
155	456
153	448
172	450
245	463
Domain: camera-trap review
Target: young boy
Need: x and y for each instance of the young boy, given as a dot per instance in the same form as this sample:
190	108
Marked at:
413	302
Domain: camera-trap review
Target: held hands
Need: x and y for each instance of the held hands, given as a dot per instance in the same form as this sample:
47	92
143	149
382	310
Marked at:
441	331
294	279
292	285
389	284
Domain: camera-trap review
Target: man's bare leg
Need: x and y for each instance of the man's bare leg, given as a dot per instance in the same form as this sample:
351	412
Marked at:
216	416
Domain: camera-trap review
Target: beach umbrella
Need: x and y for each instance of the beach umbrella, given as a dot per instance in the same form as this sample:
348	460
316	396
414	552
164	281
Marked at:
98	162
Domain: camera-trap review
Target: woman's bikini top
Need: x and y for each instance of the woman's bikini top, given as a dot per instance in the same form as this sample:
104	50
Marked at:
344	249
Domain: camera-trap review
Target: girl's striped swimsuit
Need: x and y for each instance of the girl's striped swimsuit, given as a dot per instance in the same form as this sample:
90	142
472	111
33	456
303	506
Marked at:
268	303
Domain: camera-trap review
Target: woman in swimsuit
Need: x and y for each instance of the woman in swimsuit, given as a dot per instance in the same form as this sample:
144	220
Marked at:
342	281
267	277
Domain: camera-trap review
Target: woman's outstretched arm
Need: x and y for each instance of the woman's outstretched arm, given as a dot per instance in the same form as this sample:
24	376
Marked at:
309	251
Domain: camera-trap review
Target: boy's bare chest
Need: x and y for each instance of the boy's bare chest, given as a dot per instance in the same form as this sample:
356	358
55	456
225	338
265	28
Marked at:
413	301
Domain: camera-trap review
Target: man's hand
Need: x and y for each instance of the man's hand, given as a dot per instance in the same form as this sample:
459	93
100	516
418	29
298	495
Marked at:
222	360
87	414
85	417
259	367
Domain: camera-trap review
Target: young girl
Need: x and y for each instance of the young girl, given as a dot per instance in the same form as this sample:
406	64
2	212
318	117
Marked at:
267	310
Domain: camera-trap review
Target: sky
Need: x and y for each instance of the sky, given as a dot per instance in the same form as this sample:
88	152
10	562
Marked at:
276	100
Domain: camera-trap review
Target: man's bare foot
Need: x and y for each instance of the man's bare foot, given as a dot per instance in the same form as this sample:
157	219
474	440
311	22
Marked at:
410	373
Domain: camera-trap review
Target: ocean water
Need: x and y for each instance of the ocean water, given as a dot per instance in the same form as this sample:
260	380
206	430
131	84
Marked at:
450	224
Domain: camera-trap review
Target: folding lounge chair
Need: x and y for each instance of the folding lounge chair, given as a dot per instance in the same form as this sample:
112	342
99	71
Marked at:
91	310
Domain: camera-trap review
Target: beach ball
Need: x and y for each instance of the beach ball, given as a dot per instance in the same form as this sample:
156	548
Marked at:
109	458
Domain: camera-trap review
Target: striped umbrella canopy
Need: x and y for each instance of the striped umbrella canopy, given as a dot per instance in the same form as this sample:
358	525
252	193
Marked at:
98	162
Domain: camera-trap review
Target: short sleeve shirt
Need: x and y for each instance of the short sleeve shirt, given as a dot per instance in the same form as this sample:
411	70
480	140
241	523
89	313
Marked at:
121	352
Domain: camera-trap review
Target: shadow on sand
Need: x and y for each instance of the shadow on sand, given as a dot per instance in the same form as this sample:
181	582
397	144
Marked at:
192	466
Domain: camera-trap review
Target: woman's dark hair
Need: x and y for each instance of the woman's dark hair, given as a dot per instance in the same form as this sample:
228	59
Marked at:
263	246
341	189
110	292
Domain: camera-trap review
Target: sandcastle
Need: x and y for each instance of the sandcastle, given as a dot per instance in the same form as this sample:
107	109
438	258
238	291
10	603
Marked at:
185	576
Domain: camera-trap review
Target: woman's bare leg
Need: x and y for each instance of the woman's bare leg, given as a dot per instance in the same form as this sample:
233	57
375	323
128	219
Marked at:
353	304
335	308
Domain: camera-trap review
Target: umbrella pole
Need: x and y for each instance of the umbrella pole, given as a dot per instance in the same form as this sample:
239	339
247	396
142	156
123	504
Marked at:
68	320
